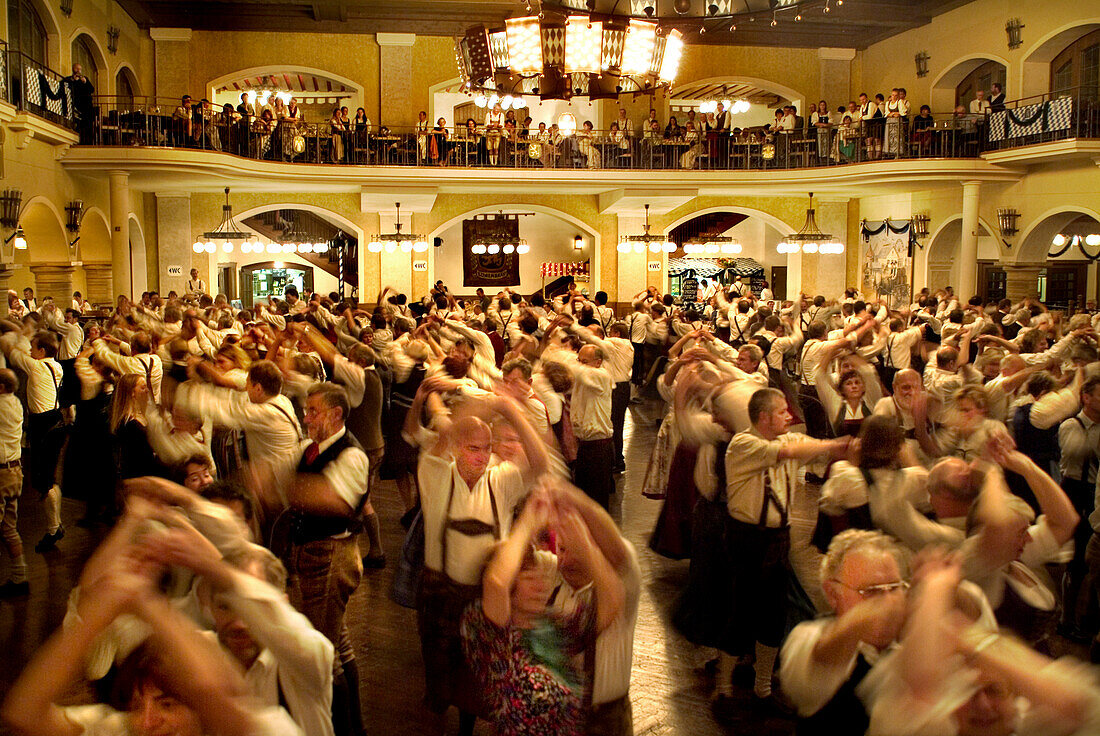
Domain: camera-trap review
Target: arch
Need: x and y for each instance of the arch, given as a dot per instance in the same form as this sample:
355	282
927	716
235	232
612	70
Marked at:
797	98
432	89
44	227
591	231
128	70
945	83
1035	238
95	236
139	272
767	217
100	59
926	260
1050	45
269	69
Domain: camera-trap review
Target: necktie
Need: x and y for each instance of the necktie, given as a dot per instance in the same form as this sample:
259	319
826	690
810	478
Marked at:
311	453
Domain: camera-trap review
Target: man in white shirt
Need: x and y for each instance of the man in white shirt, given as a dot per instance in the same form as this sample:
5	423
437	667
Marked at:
28	300
139	361
72	339
619	356
37	359
195	286
11	484
979	105
590	411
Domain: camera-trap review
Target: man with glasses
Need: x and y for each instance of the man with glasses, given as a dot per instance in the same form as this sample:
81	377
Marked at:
824	660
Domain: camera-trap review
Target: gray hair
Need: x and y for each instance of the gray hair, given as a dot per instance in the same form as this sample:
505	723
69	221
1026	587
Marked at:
859	540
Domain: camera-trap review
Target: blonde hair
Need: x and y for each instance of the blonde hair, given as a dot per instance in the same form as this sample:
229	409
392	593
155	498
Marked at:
125	404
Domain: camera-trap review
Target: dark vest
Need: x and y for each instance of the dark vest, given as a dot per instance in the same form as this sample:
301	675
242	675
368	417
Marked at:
1041	445
844	715
308	527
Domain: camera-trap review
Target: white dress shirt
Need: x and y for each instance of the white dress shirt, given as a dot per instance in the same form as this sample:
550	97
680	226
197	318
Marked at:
11	428
590	408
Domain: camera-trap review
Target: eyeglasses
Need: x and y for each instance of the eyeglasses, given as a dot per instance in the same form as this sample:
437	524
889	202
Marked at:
871	591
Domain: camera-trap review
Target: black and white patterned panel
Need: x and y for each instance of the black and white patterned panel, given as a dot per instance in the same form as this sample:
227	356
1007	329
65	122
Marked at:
1044	117
613	40
553	45
47	91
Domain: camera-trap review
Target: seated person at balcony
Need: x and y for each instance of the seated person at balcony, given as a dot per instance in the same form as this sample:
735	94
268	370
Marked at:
511	141
474	143
438	146
673	131
196	286
652	119
586	145
494	129
788	121
620	144
337	130
691	119
922	126
181	119
542	138
979	105
204	128
626	125
82	91
695	146
847	137
996	98
525	129
651	142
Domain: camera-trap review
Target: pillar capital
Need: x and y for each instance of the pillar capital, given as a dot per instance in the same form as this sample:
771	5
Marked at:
170	34
100	280
395	39
54	279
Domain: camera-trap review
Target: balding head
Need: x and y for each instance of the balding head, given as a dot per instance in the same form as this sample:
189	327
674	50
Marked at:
472	443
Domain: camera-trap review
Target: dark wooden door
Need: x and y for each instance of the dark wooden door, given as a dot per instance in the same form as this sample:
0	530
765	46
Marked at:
779	282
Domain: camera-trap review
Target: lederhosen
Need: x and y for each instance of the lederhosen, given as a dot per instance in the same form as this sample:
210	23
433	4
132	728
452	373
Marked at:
886	369
447	676
45	435
857	517
844	714
817	422
1082	494
1041	445
1031	624
740	339
638	371
759	566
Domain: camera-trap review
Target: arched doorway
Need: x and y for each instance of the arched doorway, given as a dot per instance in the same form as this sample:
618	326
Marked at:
757	238
936	266
550	234
1038	68
276	221
139	269
126	88
762	95
1064	274
86	52
958	83
316	91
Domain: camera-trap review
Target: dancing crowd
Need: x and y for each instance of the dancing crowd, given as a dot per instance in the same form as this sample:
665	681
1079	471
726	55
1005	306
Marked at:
916	561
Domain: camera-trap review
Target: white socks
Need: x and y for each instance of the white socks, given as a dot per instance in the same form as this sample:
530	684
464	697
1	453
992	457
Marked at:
724	677
765	663
53	509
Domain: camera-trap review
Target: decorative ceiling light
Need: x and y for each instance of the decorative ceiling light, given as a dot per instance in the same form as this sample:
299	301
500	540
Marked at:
639	243
583	45
563	53
392	241
810	239
712	244
1007	218
18	239
494	233
1081	232
223	235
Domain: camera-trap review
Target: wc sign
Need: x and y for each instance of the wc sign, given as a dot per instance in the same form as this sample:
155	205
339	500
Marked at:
175	270
420	265
654	265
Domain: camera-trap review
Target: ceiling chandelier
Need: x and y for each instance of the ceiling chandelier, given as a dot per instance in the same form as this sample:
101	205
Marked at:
712	245
810	239
390	242
734	107
1079	233
639	243
224	234
562	53
496	236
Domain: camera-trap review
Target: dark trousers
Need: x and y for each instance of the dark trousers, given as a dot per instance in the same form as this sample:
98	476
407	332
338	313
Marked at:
610	719
637	375
758	592
593	469
44	440
620	399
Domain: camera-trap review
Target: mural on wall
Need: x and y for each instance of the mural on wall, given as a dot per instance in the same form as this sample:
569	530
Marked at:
490	269
886	259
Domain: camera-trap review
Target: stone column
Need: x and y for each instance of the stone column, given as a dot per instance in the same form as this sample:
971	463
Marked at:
395	72
54	279
172	62
632	267
968	243
100	284
835	67
832	272
7	270
1022	279
174	254
120	231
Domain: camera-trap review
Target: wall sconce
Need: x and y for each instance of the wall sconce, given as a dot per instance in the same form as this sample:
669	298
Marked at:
578	243
1013	28
10	201
1006	221
920	225
74	210
921	60
17	240
67	7
112	39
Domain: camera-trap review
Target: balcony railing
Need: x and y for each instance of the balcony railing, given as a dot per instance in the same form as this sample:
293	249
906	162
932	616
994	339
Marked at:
35	88
151	122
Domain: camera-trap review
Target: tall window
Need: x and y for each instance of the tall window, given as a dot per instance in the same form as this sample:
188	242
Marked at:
124	90
1076	70
26	31
82	54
